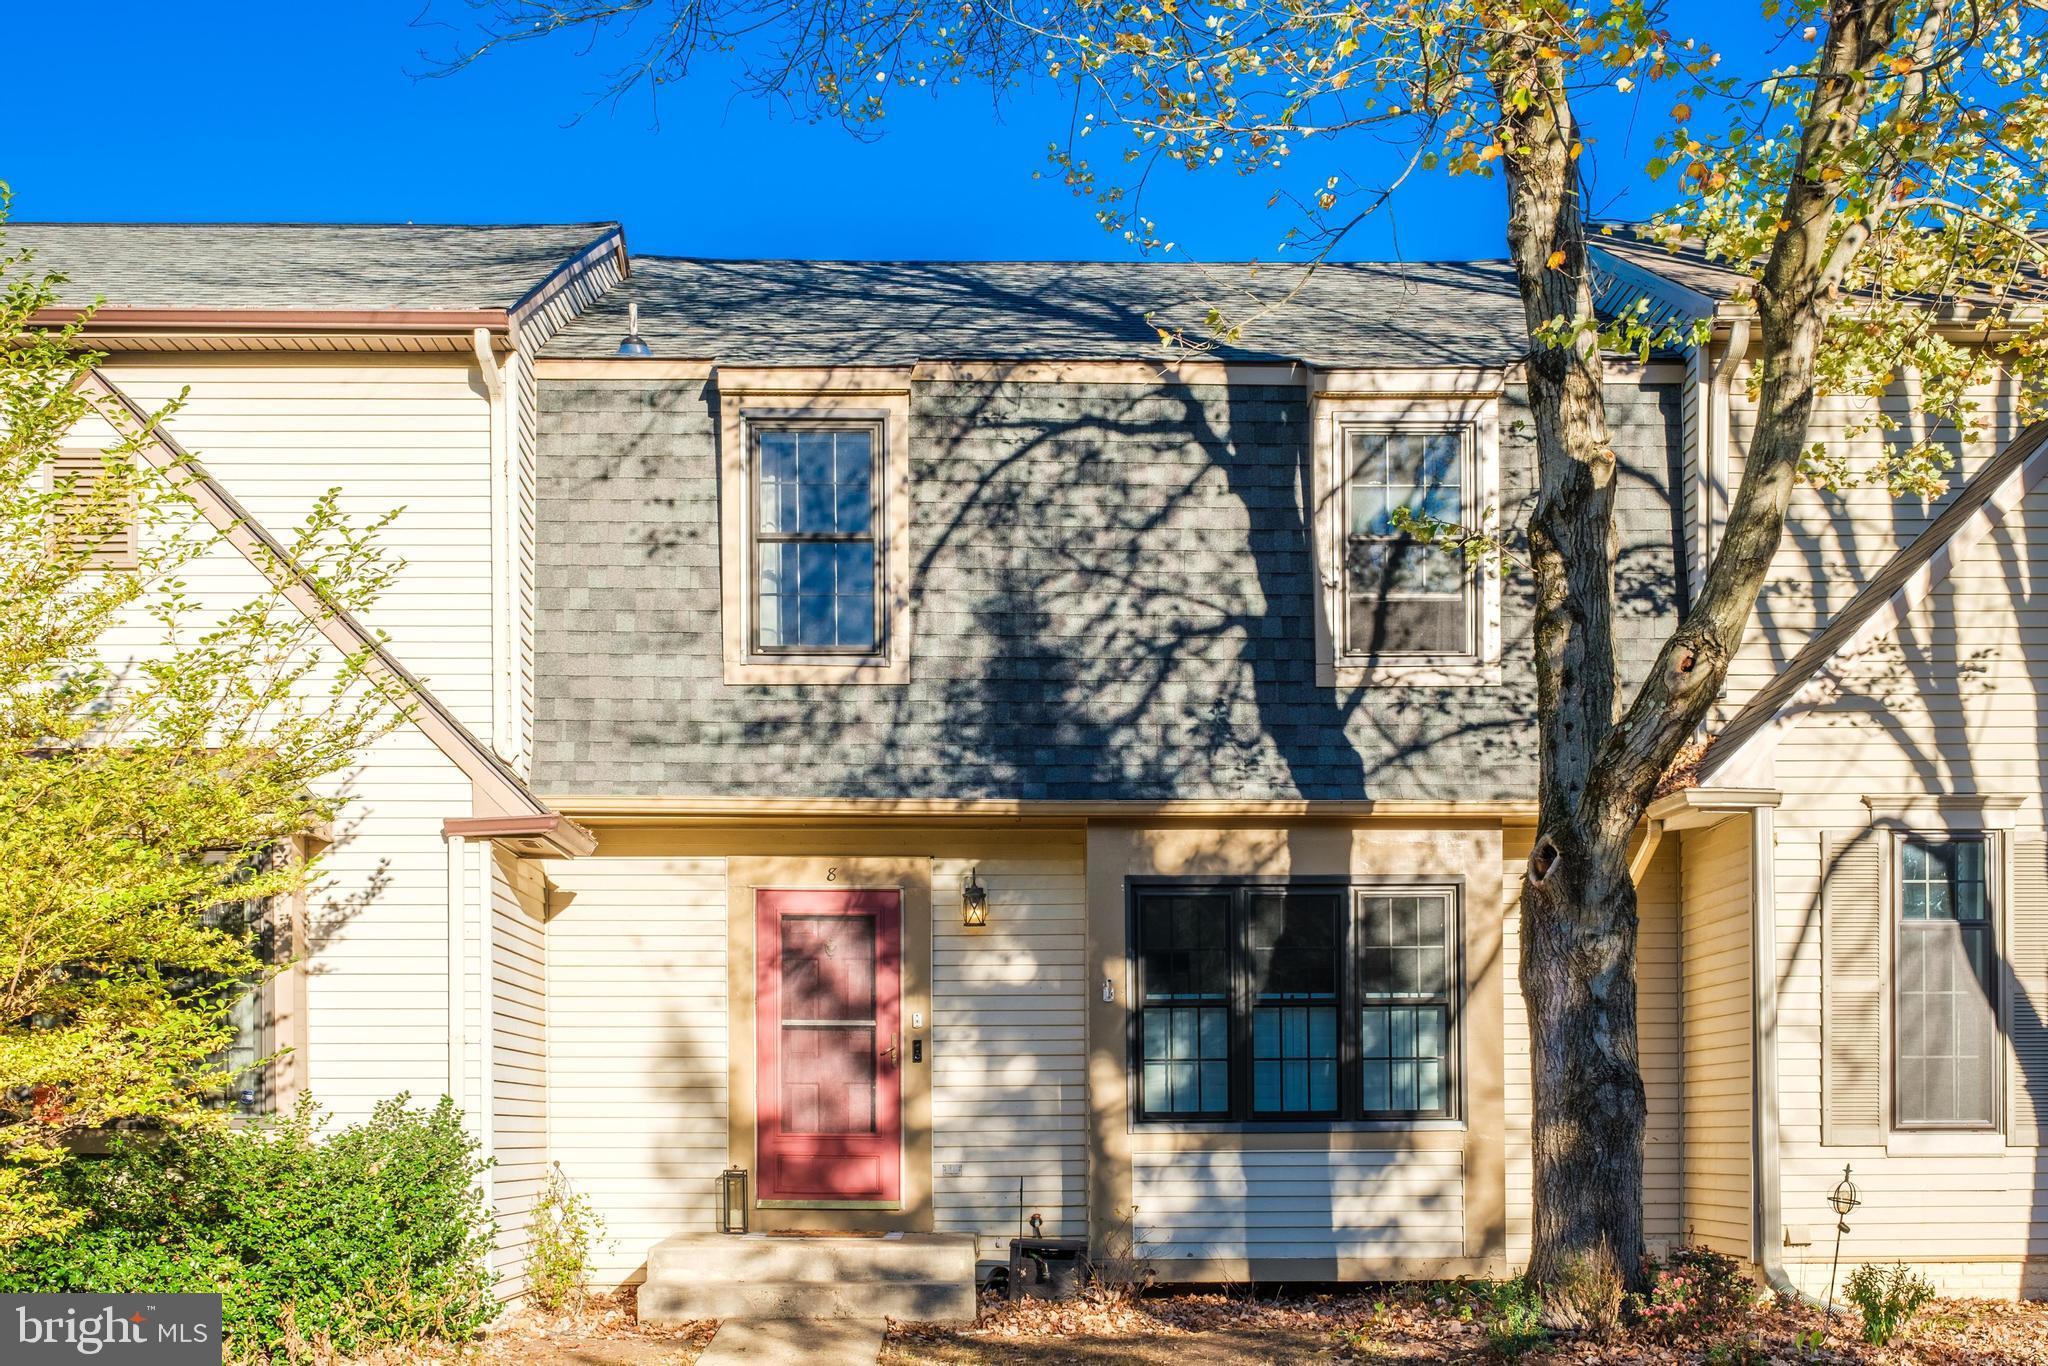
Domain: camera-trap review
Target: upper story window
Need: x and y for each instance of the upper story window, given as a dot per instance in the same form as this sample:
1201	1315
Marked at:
1295	1003
814	524
816	539
1395	610
1403	597
1945	1014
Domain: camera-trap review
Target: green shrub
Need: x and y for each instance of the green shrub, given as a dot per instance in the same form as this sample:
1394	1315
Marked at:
371	1235
1512	1316
565	1229
1887	1297
1696	1292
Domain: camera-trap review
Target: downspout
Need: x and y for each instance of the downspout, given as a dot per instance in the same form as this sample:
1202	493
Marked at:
1767	1228
501	555
1715	499
456	967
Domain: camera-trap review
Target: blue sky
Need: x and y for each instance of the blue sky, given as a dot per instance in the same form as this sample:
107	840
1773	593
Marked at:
283	112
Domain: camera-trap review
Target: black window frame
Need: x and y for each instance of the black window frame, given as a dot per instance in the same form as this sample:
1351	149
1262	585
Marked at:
1350	1111
1467	434
876	535
1992	929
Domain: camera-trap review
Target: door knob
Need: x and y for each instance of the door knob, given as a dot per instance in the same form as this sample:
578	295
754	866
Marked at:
892	1052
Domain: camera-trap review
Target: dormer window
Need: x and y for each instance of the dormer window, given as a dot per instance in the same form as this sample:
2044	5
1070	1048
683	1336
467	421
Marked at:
1396	610
814	524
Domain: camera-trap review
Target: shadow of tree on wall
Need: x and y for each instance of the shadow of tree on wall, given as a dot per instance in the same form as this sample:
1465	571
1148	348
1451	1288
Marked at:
1115	595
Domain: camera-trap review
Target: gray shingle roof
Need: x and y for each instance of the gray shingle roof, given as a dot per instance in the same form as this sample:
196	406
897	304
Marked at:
301	265
897	313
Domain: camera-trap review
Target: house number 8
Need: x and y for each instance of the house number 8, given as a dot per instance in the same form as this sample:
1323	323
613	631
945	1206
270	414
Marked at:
831	875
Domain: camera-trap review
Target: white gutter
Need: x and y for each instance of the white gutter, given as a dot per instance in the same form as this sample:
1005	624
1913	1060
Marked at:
457	968
501	551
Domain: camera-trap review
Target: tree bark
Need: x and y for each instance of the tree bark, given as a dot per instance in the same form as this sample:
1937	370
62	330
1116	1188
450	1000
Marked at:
1600	769
1578	902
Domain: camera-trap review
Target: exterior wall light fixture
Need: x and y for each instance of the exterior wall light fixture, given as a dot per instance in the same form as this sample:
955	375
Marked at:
974	902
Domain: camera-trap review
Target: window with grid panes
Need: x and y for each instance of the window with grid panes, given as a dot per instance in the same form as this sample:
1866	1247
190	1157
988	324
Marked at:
815	541
1295	1003
1402	596
1945	1025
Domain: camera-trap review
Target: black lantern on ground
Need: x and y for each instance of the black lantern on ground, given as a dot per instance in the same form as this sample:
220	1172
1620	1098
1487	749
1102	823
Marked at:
973	902
732	1200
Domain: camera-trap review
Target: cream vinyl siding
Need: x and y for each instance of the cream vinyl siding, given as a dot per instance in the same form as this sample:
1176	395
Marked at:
1657	1029
1715	996
1952	703
1009	1066
392	432
1356	1207
636	1045
519	1072
1835	541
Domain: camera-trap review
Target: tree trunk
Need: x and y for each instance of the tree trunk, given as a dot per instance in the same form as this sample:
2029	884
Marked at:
1578	903
1599	771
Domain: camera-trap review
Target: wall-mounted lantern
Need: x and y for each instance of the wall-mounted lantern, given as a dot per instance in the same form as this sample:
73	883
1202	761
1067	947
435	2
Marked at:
732	1200
973	902
633	346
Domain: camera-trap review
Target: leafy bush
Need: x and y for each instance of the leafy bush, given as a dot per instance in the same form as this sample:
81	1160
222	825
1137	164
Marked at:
1696	1292
565	1228
372	1235
1512	1316
1887	1297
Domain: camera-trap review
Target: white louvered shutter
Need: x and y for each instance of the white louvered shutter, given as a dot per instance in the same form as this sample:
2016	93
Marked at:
2027	937
1852	988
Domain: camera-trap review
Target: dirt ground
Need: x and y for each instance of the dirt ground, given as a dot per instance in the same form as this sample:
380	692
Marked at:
602	1333
1400	1325
1387	1326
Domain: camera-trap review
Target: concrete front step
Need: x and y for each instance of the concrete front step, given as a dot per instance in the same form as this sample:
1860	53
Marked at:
927	1277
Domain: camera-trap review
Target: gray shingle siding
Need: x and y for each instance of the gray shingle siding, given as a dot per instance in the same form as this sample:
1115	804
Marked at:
1114	599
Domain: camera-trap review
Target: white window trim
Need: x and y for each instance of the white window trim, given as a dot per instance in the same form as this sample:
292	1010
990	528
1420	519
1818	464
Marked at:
1340	399
1944	818
746	397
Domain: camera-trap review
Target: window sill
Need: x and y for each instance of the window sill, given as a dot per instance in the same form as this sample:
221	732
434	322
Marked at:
1944	1143
1304	1126
790	670
1471	674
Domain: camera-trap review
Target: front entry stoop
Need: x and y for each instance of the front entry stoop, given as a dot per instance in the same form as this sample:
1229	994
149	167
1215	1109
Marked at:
915	1277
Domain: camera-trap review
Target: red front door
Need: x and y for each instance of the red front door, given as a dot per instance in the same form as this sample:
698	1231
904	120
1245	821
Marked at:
830	1088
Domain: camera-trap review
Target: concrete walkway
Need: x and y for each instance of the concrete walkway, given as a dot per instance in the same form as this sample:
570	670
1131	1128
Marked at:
811	1342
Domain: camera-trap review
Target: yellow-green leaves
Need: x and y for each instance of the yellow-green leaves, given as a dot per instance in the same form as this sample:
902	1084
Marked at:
138	796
